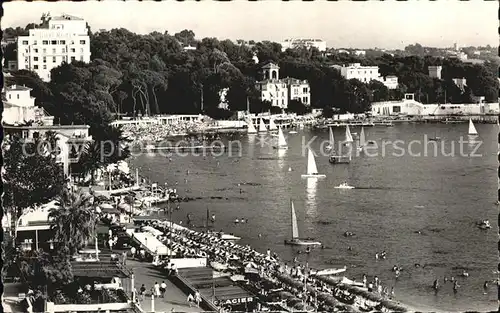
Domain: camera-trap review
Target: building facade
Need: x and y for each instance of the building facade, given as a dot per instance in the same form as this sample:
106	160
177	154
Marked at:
271	88
435	71
298	90
364	74
391	82
410	107
303	43
19	107
22	118
60	39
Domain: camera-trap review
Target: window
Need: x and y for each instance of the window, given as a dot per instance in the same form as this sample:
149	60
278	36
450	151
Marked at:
282	93
81	50
72	42
35	67
304	90
45	42
295	91
53	42
44	60
62	42
72	59
35	59
44	51
25	42
44	67
26	60
304	100
73	50
63	50
82	42
283	101
54	50
35	50
34	42
17	96
54	60
10	96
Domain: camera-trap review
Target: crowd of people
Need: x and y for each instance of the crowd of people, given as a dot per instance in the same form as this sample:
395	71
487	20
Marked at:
158	132
287	285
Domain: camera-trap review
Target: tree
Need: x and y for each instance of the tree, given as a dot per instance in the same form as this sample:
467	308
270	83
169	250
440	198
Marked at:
379	91
296	106
73	222
32	176
42	269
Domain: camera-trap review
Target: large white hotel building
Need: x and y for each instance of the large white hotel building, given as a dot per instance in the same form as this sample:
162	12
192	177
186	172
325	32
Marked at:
60	39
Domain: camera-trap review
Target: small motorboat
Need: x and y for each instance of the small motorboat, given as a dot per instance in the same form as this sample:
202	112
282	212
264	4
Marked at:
228	237
292	132
464	274
329	271
344	186
485	224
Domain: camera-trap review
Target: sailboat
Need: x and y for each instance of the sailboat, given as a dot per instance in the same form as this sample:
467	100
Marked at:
295	240
472	128
272	125
281	141
362	140
251	128
331	145
262	126
348	136
312	170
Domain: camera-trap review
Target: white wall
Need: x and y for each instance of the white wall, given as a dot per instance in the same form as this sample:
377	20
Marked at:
44	49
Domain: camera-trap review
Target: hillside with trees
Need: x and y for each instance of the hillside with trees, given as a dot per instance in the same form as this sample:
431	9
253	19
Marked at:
151	74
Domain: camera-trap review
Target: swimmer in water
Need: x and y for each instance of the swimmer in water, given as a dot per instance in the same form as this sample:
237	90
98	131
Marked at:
455	286
485	287
376	256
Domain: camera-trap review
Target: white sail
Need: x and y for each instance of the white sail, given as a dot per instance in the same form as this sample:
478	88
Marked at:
472	128
251	129
362	139
262	126
281	138
348	136
311	163
295	227
272	125
332	139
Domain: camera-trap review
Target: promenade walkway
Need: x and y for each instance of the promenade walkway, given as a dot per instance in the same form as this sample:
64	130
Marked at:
147	274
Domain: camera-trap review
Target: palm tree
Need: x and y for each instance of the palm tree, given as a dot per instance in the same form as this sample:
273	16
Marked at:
73	221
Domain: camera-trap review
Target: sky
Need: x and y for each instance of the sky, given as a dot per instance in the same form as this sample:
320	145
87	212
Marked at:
342	24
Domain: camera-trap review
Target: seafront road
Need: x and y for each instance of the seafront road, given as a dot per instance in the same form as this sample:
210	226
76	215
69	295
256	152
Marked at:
147	274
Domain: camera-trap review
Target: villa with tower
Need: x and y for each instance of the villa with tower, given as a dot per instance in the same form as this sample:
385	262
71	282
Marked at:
280	91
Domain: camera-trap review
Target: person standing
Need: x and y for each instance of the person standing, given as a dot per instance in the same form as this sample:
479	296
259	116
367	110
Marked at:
163	289
157	290
197	298
190	299
142	292
132	252
110	243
